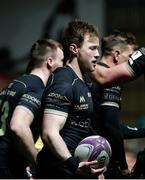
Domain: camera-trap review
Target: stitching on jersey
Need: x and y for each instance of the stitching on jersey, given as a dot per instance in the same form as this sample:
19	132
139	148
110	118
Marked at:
21	82
74	81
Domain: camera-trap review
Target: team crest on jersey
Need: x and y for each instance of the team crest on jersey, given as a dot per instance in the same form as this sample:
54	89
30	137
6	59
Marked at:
82	99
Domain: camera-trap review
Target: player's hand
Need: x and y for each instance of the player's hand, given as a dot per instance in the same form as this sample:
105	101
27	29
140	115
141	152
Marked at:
90	169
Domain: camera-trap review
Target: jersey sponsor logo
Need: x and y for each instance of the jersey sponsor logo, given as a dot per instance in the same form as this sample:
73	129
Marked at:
56	96
11	93
81	107
115	89
136	55
33	99
80	123
82	99
111	97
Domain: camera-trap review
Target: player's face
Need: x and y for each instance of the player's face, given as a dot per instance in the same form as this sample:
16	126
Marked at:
124	56
58	61
88	53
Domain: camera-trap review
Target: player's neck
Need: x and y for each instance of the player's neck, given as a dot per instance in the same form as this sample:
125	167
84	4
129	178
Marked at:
43	74
75	66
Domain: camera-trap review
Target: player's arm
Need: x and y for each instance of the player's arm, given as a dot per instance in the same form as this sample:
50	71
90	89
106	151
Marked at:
122	73
111	76
21	121
52	124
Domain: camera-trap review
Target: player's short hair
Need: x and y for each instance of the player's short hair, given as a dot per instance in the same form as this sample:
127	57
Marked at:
109	44
127	36
40	50
118	39
75	33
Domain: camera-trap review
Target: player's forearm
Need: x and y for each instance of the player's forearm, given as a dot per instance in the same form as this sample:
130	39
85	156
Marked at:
127	71
24	142
112	76
57	145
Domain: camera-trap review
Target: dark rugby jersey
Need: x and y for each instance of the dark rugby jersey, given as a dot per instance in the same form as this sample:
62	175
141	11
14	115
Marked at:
105	120
66	94
25	91
109	97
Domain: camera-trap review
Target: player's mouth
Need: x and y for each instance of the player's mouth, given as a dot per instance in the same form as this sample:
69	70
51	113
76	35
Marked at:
94	63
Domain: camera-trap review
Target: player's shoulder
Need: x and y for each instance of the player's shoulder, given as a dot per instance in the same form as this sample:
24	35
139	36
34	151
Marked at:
29	81
64	74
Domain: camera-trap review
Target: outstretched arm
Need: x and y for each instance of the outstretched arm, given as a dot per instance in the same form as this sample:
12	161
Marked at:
122	73
111	76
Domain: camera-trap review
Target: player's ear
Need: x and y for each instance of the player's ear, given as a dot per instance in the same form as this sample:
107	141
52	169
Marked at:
49	62
73	48
116	55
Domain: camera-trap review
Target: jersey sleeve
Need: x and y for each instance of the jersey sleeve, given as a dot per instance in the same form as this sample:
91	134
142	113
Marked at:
59	99
137	62
111	96
31	100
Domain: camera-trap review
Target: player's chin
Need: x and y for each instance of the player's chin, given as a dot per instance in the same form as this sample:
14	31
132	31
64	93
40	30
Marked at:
93	67
90	68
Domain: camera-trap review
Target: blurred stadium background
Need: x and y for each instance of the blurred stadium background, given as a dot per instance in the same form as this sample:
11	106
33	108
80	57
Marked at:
23	22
